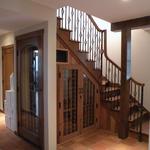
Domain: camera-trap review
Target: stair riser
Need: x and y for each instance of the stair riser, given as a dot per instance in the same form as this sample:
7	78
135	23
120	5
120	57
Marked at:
110	94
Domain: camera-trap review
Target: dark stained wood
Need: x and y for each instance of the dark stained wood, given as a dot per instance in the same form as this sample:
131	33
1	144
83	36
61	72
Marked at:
7	67
125	76
132	23
29	118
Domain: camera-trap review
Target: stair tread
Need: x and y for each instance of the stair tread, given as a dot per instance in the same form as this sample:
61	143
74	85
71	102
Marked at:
117	107
65	29
136	115
117	98
75	41
109	89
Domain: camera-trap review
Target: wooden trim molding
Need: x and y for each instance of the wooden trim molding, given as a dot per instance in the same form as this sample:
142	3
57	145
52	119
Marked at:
131	24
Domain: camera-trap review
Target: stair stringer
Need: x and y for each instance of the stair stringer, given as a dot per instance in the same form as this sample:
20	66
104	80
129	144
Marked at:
81	57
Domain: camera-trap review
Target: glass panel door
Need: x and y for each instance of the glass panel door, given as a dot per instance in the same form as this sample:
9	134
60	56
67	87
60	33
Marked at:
88	102
68	110
70	101
30	87
76	102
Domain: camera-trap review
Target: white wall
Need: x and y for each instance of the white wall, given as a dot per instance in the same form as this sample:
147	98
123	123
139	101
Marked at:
141	61
140	45
113	41
7	39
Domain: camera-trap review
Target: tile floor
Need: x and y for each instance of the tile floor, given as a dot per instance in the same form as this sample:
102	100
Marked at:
102	140
96	140
9	141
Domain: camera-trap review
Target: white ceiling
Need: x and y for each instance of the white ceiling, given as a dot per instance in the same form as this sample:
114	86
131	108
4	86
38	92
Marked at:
33	13
11	21
110	10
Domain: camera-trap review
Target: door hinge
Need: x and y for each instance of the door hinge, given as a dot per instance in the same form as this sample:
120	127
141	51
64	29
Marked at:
96	105
59	133
97	91
59	105
3	81
17	88
59	74
18	124
96	120
17	52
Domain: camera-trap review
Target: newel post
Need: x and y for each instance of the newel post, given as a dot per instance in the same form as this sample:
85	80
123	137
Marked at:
125	76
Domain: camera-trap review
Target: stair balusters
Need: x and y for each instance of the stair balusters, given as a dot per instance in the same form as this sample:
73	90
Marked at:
93	41
84	31
137	111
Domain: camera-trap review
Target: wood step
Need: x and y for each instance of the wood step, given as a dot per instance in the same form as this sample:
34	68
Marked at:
73	46
136	116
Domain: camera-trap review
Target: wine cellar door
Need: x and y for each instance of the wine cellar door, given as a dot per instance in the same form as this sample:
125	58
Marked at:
30	87
76	102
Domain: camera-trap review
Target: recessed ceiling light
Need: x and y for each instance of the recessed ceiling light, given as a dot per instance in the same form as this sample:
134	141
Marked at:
125	0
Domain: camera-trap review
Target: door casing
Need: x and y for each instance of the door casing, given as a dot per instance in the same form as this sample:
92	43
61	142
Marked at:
31	38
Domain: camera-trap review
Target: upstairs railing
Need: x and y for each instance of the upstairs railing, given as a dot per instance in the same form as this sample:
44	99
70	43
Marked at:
84	31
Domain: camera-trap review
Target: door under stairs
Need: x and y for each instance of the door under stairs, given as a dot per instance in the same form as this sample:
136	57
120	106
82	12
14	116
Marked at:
76	102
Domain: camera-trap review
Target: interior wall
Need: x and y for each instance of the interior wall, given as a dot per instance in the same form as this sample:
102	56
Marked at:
140	52
6	39
141	60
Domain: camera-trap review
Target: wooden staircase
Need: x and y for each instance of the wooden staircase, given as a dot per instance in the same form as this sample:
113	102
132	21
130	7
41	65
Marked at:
110	96
78	33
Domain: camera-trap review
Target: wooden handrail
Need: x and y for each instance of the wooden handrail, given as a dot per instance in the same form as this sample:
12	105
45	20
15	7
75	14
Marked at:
94	23
105	43
136	82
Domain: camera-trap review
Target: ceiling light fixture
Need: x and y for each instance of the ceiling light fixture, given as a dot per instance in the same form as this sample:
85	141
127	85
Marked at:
125	0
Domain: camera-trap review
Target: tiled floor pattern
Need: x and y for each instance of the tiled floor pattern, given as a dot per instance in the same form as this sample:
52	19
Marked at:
96	140
9	141
102	140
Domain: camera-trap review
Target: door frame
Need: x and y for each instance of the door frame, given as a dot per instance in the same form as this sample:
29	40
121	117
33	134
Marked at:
38	33
3	49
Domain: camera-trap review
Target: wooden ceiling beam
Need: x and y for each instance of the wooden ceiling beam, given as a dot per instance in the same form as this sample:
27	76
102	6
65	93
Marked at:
131	24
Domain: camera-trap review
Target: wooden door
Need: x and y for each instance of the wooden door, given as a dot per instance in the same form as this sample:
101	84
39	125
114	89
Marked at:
7	67
89	102
30	87
68	102
76	102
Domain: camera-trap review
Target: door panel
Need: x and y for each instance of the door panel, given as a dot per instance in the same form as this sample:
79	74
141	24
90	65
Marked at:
68	99
8	67
30	88
88	102
76	102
